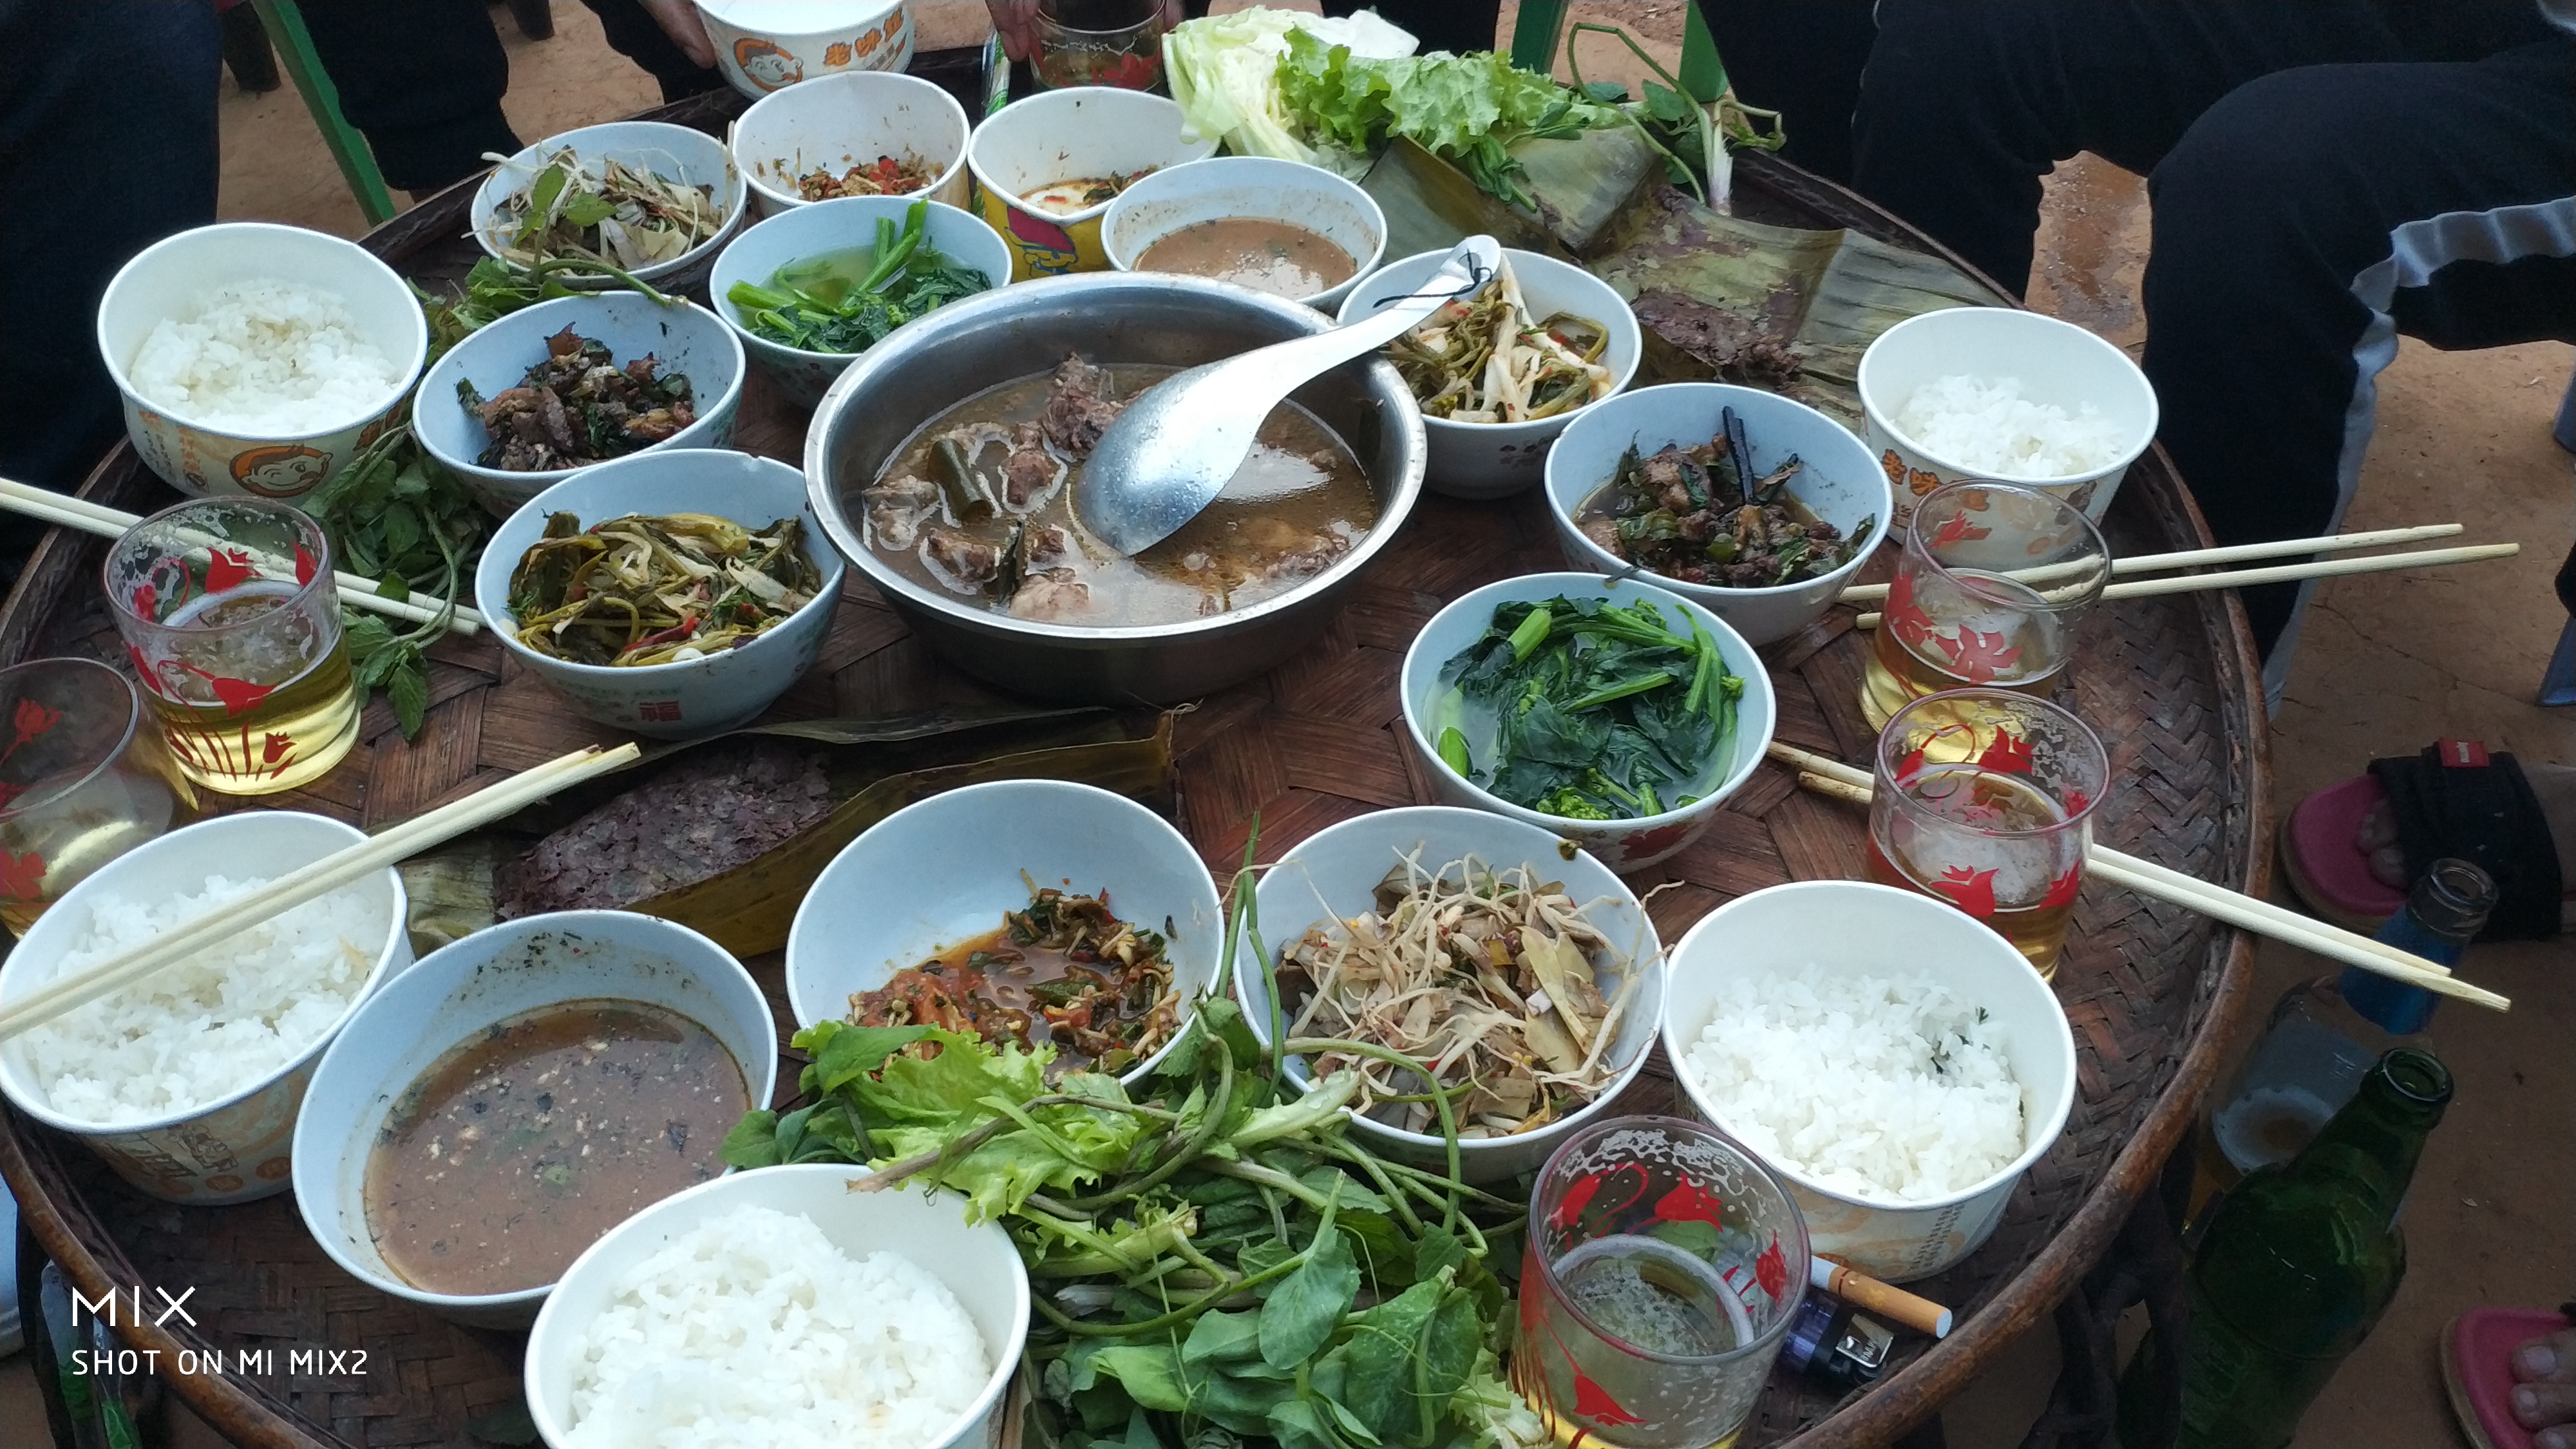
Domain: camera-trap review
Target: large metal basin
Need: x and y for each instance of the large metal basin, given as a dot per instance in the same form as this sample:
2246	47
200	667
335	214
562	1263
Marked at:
965	347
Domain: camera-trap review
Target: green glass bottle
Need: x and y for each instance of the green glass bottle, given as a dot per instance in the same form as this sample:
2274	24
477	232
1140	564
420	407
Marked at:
2298	1263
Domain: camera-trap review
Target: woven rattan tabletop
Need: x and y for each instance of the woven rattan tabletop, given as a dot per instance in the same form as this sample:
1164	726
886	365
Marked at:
2149	988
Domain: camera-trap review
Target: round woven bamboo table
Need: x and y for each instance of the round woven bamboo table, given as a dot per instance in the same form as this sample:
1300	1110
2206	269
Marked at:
2150	988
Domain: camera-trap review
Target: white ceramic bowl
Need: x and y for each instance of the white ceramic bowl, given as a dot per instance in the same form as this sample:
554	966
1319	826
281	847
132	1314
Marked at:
697	696
676	153
1840	484
769	45
236	1148
455	994
1496	460
831	226
686	338
1060	136
1335	872
1249	186
2057	362
943	870
164	281
841	121
1848	928
1623	845
978	1264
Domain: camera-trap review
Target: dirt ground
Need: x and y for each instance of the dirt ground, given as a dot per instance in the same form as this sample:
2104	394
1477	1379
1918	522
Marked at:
2389	662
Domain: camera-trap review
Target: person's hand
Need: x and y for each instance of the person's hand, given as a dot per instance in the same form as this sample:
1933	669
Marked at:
1015	20
679	20
2545	1399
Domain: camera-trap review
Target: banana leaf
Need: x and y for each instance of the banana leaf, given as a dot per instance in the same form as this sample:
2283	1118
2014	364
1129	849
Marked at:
854	772
1430	205
1723	297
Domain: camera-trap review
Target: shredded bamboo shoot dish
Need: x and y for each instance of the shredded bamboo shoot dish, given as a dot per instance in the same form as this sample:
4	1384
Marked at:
608	212
1494	978
658	590
1486	360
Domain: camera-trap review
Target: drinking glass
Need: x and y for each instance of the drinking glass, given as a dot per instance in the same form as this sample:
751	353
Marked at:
1664	1266
229	612
83	779
1989	586
1984	798
1098	43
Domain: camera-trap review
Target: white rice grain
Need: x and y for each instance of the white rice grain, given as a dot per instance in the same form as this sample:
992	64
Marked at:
265	359
207	1027
1985	425
1889	1089
755	1329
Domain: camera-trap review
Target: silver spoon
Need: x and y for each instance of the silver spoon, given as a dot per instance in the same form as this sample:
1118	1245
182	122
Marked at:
1172	451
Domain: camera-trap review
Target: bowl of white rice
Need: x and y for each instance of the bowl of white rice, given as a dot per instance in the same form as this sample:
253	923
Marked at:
188	1082
1999	395
778	1307
254	358
1898	1064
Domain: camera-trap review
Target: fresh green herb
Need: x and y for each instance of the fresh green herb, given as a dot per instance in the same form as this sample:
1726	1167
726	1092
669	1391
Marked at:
1598	707
1209	1261
849	301
1692	133
394	515
494	289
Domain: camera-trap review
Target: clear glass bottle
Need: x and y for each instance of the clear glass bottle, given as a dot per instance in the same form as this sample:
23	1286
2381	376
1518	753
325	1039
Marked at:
2323	1035
2296	1267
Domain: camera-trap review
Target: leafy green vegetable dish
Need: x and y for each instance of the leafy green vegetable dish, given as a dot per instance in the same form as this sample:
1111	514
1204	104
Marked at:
848	301
1600	711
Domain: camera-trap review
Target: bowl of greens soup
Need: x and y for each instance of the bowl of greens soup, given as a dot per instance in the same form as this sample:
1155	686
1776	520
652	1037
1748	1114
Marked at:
1606	710
810	288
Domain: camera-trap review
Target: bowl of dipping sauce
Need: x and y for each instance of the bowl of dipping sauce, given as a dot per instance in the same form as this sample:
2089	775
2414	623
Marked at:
769	45
524	1091
1047	167
1282	227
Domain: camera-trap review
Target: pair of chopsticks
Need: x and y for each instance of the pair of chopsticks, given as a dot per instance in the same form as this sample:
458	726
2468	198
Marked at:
1833	777
81	515
2240	553
332	872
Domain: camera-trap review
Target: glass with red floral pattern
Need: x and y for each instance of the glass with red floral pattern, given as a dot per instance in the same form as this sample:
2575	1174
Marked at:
83	780
1664	1265
1984	798
232	620
1098	43
1989	586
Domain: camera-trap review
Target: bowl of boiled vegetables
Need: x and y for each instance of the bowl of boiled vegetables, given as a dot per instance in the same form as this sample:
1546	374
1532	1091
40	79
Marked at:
808	289
1608	711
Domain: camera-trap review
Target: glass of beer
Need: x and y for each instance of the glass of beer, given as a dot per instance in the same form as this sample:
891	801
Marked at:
1988	589
1984	798
1664	1265
231	618
83	779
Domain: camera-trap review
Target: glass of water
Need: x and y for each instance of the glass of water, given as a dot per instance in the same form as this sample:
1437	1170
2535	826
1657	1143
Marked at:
1664	1266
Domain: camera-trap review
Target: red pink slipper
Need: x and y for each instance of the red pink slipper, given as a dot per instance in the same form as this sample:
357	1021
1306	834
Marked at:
2477	1369
2455	799
2329	872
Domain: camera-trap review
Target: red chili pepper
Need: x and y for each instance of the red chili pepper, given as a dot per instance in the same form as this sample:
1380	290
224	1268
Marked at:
672	635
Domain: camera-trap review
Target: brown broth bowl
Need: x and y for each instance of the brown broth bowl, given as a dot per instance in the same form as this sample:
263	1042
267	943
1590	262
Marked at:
938	361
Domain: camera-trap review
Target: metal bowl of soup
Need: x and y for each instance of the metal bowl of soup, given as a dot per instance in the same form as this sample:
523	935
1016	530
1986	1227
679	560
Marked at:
1061	618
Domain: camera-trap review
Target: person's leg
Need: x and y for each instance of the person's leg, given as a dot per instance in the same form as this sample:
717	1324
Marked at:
638	37
1456	26
128	84
421	79
1966	104
2301	224
1802	58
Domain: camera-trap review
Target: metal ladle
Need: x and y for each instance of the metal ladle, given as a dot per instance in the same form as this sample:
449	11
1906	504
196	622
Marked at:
1172	451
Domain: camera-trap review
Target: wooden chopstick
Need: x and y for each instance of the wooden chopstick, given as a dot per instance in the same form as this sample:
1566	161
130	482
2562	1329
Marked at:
81	515
1843	782
2285	573
2191	558
330	873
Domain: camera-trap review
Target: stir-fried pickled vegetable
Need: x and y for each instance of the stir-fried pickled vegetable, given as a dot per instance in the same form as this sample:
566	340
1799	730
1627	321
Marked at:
1495	978
1485	361
615	213
885	176
658	590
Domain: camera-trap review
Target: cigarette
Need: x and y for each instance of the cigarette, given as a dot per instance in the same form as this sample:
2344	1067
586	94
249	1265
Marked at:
1885	1299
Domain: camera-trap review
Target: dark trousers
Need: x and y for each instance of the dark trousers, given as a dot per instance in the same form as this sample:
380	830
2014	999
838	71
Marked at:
2326	174
421	79
107	145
